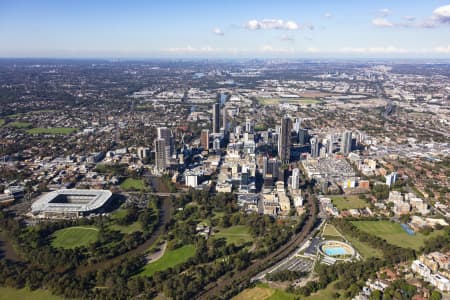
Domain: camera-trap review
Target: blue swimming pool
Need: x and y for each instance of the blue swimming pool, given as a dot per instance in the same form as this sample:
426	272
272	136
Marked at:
335	251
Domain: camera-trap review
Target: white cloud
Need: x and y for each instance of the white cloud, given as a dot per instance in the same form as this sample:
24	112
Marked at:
374	50
217	31
409	18
328	15
272	24
384	12
381	22
444	50
442	14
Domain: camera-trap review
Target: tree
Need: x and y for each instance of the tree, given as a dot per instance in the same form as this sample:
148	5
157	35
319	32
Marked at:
435	295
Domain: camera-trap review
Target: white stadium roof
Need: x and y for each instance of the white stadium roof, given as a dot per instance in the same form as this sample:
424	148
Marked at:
83	201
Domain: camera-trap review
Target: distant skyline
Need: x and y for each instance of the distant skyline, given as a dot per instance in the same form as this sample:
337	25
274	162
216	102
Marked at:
225	29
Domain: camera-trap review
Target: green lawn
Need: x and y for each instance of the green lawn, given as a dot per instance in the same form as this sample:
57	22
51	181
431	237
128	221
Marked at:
262	291
348	202
237	235
394	234
271	101
2	121
131	184
127	229
72	237
7	293
325	294
52	130
170	259
17	124
330	230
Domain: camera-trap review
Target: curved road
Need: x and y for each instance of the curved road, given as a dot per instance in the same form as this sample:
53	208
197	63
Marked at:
166	212
212	291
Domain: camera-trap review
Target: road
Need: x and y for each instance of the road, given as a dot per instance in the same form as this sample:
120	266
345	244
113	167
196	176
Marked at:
213	290
166	211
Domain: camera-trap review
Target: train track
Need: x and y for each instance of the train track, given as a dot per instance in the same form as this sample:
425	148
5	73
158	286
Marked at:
212	291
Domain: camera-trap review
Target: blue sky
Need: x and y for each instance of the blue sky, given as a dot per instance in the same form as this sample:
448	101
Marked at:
197	28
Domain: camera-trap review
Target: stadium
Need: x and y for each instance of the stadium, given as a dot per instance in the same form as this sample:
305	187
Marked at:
70	203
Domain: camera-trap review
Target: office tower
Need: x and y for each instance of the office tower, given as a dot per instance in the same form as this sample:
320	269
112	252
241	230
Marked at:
297	125
224	119
204	139
216	144
238	130
265	165
295	179
329	145
216	118
303	136
160	154
143	152
391	179
284	140
166	134
346	142
248	125
315	147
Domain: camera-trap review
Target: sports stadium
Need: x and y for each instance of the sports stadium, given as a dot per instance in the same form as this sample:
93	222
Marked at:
70	203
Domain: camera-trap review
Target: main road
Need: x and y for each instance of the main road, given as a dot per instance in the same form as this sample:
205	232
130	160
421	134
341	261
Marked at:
213	290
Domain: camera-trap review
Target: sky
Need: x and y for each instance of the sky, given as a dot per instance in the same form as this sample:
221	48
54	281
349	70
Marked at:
225	29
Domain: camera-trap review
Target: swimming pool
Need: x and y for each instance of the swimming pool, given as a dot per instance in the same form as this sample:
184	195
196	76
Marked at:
335	251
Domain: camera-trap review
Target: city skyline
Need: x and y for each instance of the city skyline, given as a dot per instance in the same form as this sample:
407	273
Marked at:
262	29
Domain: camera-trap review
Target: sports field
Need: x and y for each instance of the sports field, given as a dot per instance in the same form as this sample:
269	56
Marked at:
301	101
52	130
348	202
394	234
131	184
170	259
72	237
7	293
326	294
237	235
330	230
17	124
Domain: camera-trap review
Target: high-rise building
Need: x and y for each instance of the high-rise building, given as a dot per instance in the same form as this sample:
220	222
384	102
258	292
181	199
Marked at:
391	178
166	134
216	144
160	154
295	179
346	142
216	118
204	139
265	165
248	125
284	140
297	124
329	145
315	147
143	152
303	136
224	119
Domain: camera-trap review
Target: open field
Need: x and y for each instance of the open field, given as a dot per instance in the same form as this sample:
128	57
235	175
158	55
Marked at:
2	121
52	130
301	101
264	292
72	237
237	235
348	202
326	294
7	293
394	234
170	259
17	124
330	230
131	184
